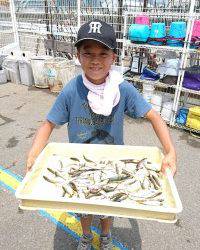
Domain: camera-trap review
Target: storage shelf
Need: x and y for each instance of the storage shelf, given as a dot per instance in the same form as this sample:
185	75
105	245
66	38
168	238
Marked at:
191	91
160	84
156	83
129	44
187	128
159	13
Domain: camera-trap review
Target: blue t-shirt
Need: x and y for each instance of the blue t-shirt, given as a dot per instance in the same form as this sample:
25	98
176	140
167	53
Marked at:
85	126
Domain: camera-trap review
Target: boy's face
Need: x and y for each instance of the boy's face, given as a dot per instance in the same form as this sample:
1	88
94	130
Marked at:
96	60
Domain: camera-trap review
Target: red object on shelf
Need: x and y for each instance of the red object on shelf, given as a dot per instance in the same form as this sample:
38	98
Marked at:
142	19
196	29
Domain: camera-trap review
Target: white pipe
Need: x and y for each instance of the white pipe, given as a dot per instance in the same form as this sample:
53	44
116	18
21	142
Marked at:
14	21
183	61
79	13
124	40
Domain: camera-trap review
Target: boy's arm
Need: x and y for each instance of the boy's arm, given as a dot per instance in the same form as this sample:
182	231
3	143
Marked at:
162	133
39	142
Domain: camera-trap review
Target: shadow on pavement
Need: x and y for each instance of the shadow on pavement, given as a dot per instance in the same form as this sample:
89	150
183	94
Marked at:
129	237
62	239
190	140
136	243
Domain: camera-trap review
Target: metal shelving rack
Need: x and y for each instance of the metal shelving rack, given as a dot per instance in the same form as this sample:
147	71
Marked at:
181	92
189	16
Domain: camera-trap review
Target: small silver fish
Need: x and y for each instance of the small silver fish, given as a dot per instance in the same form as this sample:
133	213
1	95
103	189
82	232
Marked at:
141	164
50	180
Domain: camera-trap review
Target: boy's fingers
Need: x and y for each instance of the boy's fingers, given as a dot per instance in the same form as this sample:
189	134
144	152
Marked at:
28	168
171	167
29	165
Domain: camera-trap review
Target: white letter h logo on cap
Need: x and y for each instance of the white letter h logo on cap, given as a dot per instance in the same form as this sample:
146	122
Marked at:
95	27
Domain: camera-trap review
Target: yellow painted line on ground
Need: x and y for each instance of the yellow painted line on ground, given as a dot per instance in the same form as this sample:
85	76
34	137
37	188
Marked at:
9	180
12	181
73	224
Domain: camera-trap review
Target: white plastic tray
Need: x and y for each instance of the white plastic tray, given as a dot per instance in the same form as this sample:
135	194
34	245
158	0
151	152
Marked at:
34	194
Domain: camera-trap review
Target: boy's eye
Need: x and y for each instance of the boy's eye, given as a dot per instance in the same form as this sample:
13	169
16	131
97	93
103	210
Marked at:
86	54
104	54
91	55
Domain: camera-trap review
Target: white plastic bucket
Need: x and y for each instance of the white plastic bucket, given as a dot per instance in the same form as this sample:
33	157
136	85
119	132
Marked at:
12	65
3	77
167	111
58	72
38	68
7	75
148	91
156	102
26	73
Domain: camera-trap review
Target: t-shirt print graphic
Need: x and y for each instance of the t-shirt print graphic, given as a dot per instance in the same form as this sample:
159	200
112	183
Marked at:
101	135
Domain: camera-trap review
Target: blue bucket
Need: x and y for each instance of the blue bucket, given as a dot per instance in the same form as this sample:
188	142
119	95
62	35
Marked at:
174	43
138	32
158	30
177	29
156	43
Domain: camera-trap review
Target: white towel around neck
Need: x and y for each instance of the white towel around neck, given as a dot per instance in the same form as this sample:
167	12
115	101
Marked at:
102	98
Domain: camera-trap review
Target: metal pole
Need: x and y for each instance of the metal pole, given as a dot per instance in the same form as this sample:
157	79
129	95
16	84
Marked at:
183	62
79	13
145	5
14	22
119	27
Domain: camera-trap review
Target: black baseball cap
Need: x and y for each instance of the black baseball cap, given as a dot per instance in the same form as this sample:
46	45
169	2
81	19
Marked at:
99	31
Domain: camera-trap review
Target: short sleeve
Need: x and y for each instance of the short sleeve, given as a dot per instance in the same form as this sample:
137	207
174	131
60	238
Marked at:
136	105
59	113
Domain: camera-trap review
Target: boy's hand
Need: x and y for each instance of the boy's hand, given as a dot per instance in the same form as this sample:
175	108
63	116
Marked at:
29	163
169	161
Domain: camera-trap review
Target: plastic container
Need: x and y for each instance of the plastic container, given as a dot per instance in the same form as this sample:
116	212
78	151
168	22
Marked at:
58	72
12	65
26	73
174	43
156	102
38	68
138	32
156	43
148	91
34	193
78	68
158	30
2	58
7	75
142	19
167	111
196	29
170	67
3	77
177	29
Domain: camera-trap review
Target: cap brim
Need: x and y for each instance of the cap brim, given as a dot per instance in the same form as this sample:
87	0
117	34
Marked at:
76	43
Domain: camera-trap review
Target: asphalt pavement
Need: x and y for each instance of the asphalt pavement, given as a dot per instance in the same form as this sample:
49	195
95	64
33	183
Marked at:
22	110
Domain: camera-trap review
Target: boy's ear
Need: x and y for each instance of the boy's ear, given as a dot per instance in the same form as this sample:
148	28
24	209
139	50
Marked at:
78	55
114	56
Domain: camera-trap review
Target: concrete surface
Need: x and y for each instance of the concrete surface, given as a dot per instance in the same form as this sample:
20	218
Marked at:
22	110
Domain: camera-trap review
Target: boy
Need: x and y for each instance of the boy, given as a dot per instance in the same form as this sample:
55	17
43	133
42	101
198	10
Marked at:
93	105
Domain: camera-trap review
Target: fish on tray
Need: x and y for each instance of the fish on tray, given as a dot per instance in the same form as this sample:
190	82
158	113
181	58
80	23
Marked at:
118	181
